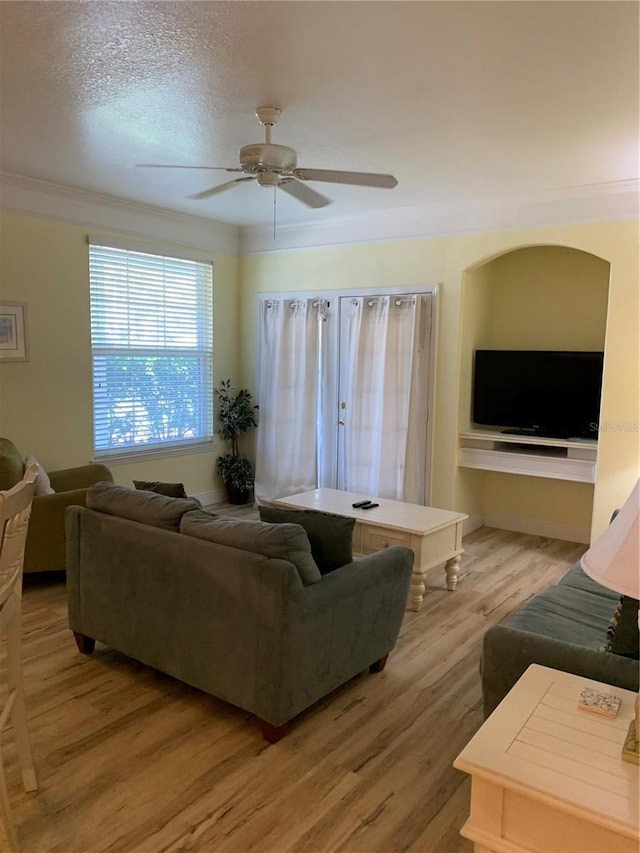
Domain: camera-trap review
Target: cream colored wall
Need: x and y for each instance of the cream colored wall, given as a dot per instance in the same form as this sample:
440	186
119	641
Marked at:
46	403
526	499
475	331
548	297
542	297
475	323
446	260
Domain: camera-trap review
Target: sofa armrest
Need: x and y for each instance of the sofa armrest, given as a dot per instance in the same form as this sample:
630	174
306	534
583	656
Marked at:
385	573
45	549
330	631
508	652
79	478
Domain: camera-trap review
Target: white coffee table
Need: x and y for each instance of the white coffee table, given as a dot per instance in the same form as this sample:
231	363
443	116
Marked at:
434	535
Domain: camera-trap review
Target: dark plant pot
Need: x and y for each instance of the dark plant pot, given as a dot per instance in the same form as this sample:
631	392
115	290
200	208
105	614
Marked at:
236	495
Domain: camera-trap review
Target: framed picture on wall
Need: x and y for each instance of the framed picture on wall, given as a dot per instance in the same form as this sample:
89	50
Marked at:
13	331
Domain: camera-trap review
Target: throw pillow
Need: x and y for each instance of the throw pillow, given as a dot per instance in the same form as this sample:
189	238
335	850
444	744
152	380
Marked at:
622	633
43	484
144	507
280	541
171	490
330	536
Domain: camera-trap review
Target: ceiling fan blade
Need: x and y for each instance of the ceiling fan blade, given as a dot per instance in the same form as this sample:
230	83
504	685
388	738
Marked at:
171	166
303	193
220	188
361	179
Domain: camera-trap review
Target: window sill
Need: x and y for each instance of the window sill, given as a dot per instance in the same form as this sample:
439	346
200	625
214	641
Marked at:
136	456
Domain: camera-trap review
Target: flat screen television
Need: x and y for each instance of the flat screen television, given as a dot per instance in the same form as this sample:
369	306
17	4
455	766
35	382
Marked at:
538	392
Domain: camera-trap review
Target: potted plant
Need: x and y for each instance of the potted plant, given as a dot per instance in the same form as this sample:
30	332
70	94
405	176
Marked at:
236	415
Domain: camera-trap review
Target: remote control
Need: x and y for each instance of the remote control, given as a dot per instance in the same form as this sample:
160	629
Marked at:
360	504
370	505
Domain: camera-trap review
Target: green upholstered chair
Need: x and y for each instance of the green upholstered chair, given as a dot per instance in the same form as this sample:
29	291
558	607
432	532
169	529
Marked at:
45	550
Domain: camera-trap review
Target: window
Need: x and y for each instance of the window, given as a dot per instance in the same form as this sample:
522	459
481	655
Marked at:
152	348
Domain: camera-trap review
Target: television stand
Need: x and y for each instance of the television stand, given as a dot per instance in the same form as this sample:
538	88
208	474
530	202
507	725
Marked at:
536	432
534	456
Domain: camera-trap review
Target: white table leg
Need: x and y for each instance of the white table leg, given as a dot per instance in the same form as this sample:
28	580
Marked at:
451	568
416	593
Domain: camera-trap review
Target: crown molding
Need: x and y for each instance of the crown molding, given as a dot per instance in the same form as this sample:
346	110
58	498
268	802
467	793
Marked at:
609	201
33	197
602	202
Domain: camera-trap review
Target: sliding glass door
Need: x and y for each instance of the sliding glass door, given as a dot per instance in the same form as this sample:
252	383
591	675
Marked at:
344	386
384	360
292	394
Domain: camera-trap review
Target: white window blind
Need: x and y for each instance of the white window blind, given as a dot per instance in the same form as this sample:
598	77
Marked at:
152	345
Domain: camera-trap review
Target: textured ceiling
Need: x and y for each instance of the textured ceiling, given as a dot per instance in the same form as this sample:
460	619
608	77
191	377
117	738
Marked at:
460	101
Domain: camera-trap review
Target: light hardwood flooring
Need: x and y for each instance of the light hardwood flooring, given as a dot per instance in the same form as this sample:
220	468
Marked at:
129	759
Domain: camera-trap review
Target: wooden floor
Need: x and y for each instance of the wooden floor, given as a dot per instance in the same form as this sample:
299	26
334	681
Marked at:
131	760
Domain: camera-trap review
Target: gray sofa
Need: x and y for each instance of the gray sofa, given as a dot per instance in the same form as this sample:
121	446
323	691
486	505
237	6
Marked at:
565	628
236	608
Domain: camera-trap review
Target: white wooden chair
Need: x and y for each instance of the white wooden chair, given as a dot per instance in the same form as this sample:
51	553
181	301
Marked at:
15	509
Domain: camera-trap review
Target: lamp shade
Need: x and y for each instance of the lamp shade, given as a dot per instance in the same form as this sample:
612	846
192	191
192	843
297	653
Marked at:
614	558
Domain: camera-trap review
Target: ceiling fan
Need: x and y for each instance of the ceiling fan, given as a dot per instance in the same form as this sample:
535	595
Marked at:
276	166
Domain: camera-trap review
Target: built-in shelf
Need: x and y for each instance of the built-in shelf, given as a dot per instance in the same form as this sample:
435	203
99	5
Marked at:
559	459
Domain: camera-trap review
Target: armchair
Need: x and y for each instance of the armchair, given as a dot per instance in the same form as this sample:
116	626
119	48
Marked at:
45	549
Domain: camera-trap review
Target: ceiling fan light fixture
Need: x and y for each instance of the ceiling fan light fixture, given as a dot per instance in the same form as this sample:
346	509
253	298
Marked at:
268	179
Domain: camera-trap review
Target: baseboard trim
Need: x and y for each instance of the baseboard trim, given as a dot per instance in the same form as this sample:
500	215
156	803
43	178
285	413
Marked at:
538	527
473	522
518	524
215	496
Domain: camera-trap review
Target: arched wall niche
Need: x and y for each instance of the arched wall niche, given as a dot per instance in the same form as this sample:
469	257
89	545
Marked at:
537	296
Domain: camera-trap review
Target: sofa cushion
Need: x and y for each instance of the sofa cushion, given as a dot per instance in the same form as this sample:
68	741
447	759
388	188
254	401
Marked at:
282	541
43	483
622	632
565	614
171	490
11	466
145	507
576	578
330	536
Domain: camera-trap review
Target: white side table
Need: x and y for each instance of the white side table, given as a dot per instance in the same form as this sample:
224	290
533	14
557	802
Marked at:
548	777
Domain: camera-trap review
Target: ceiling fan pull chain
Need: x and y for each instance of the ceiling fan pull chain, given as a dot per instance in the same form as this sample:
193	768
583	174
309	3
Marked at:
274	211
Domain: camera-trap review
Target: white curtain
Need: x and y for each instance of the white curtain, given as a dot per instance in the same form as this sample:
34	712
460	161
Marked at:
289	434
384	381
